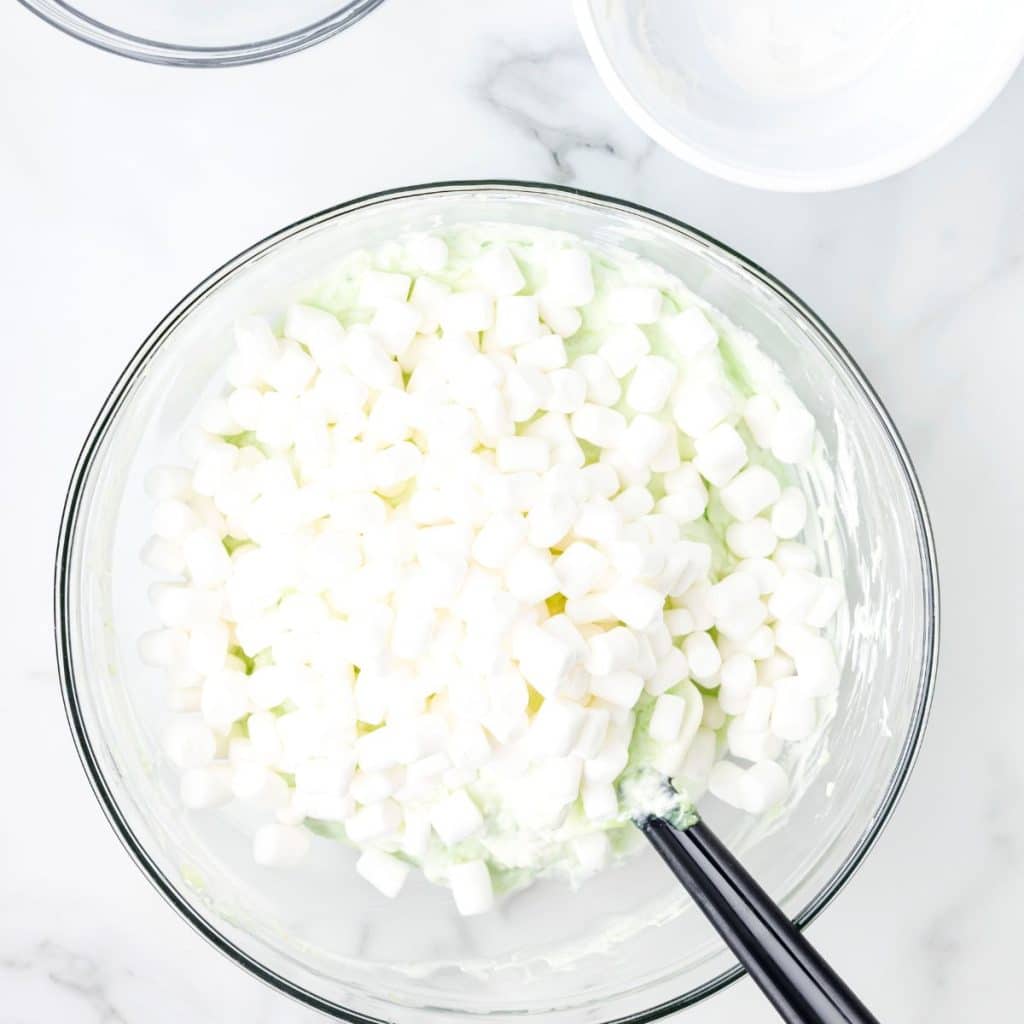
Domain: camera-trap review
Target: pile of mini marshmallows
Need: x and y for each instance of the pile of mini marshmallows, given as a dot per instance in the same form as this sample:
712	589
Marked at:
454	558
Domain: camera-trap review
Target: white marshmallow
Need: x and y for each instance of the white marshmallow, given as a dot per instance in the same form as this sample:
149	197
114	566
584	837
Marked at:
428	252
189	743
499	538
634	304
721	454
679	621
377	288
792	435
762	786
623	349
206	787
384	872
651	384
698	407
570	279
567	391
789	513
690	333
593	851
599	426
579	568
817	667
599	801
738	679
643	439
791	554
546	352
702	656
206	558
759	414
319	331
166	482
471	887
498	271
622	689
544	659
529	575
666	719
795	595
373	821
164	556
456	818
672	668
280	845
555	728
752	539
794	713
830	597
603	387
163	648
519	454
751	492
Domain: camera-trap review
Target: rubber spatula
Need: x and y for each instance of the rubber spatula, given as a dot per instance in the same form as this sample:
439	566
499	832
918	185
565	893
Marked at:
801	986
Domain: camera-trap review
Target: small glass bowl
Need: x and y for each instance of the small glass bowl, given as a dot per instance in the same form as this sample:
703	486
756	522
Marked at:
628	946
197	33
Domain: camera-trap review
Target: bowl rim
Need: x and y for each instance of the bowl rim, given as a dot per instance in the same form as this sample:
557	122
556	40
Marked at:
75	23
923	146
119	393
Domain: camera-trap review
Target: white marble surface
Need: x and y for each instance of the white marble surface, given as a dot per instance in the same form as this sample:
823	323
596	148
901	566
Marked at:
121	184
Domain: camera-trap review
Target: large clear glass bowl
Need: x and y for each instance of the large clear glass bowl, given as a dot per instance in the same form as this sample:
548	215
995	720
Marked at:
198	33
627	946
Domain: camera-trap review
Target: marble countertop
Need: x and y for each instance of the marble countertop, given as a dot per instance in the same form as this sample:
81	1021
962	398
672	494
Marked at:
121	184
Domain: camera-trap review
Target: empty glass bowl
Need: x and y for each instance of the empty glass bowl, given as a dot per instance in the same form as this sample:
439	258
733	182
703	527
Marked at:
627	946
197	33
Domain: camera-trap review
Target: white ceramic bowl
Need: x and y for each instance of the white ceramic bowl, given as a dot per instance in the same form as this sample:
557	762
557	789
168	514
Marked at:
803	95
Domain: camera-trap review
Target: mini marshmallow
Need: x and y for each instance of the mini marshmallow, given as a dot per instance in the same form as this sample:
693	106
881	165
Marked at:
567	391
830	597
206	558
168	482
795	595
699	407
690	333
189	743
622	689
579	568
516	320
599	801
518	454
498	271
791	554
377	288
817	667
206	787
428	252
546	352
679	621
751	492
625	347
599	426
164	556
570	279
635	604
794	713
593	851
672	668
702	656
373	821
550	519
666	721
738	679
792	435
721	454
544	659
603	387
471	887
280	845
384	872
644	437
752	539
555	728
163	648
759	414
651	384
319	331
499	538
632	304
762	786
789	513
456	818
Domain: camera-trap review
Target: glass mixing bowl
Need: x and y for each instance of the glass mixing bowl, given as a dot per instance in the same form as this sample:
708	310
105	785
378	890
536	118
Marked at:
197	33
628	945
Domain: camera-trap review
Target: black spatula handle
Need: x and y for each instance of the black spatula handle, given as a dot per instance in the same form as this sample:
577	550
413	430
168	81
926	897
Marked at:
790	972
